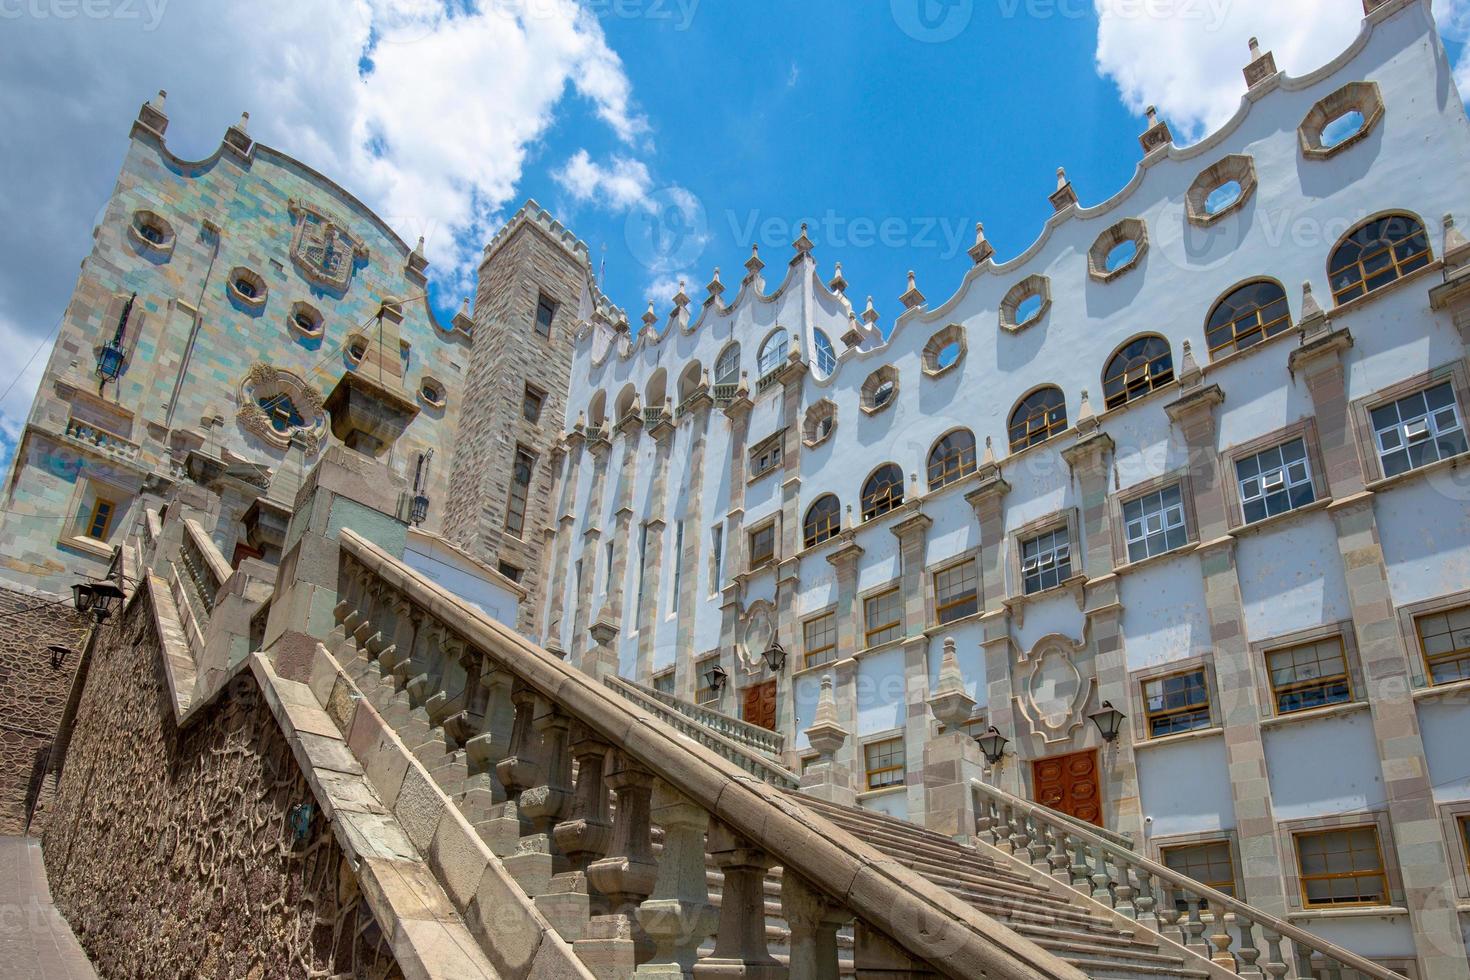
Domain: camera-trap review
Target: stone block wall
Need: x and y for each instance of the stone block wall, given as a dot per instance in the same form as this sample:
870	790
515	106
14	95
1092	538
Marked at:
182	853
32	694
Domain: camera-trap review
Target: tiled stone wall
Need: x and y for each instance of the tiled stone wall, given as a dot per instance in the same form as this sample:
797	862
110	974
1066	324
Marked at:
179	853
32	694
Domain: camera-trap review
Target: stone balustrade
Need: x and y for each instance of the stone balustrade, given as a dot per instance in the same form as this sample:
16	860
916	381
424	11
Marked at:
566	781
110	444
1230	933
760	739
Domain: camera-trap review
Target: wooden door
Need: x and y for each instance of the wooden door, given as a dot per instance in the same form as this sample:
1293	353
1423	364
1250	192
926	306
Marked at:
1069	783
759	705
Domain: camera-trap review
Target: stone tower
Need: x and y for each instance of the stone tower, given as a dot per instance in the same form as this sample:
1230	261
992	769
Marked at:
531	282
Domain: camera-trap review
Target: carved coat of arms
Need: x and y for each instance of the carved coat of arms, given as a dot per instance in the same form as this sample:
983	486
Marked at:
323	248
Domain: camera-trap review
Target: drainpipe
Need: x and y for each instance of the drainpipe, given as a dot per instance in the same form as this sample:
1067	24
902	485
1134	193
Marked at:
213	230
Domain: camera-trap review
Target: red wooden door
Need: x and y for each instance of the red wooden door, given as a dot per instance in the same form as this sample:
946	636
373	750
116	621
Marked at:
759	707
1069	783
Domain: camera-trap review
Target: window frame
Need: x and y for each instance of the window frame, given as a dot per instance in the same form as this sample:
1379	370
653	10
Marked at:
883	592
668	674
1454	818
1281	324
953	466
767	455
519	532
808	651
1282	690
98	503
732	349
1131	396
1141	716
1457	654
941	607
544	302
1052	552
532	392
1185	842
831	525
1296	837
1019	537
1261	651
1118	504
762	371
885	502
1050	428
1338	298
1304	429
765	529
887	744
1166	714
824	354
1454	372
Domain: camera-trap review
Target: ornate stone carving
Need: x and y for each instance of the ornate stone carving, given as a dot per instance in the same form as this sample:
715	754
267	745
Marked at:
1051	691
322	247
274	404
756	632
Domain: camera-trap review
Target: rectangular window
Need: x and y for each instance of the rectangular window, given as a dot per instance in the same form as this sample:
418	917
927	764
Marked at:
545	313
1444	638
1046	561
1341	867
717	557
678	564
99	522
819	640
1154	523
883	616
642	562
1309	676
511	572
762	546
1177	703
1417	430
703	693
885	762
1275	481
520	489
766	456
956	592
1209	864
1464	823
664	683
531	403
607	568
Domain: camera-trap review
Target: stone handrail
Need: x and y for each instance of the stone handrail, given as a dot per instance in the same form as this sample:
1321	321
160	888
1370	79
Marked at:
727	745
206	567
724	393
1146	891
110	443
520	717
736	730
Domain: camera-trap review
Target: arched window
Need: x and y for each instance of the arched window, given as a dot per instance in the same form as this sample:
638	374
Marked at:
883	491
952	458
773	353
1375	254
727	367
1143	364
823	520
1249	315
826	354
1037	417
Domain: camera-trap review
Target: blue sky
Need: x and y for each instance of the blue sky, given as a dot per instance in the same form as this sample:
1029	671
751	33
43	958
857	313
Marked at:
891	125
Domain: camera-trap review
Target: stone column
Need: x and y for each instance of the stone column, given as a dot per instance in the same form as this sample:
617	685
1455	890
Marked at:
825	779
740	944
600	448
652	539
733	595
918	726
561	546
1418	838
697	406
814	920
630	428
953	759
536	614
788	569
988	502
844	558
1250	789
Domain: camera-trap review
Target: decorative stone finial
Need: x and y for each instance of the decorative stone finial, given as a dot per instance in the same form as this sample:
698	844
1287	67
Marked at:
1261	67
989	458
982	249
244	124
715	288
1313	317
1084	410
704	380
681	298
743	387
1156	135
581	424
650	318
753	265
1189	371
870	315
951	704
160	100
838	284
803	245
1064	197
912	298
1454	241
825	734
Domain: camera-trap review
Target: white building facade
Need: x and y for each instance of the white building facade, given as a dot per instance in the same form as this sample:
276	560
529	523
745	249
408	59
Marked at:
1197	455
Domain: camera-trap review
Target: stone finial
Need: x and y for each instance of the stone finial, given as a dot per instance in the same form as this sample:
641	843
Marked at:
1310	306
1261	67
1455	244
847	524
160	100
825	734
1156	135
1064	197
982	249
853	335
419	248
244	124
870	315
803	244
1314	318
581	424
743	388
912	298
715	287
793	349
152	114
1086	417
464	307
951	704
237	137
1189	370
704	380
989	458
463	321
838	284
681	298
754	265
650	318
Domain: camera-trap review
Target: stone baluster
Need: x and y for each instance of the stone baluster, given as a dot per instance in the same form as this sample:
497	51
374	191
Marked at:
1058	859
586	833
1275	965
1020	834
1081	870
1194	928
1221	939
1146	899
520	769
1169	916
984	818
740	944
1101	880
461	726
1330	969
1123	890
1305	964
449	679
1248	953
1038	847
345	613
403	635
372	598
814	920
543	804
615	943
678	916
492	744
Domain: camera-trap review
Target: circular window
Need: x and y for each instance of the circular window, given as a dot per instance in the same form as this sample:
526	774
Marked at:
306	319
247	287
432	392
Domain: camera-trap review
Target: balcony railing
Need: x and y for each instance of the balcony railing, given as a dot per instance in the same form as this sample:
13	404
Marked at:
108	443
725	394
1153	895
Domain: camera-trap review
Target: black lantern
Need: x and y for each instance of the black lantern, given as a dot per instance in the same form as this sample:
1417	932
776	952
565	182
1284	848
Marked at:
715	678
419	509
993	744
1109	721
110	357
58	655
101	599
775	657
81	596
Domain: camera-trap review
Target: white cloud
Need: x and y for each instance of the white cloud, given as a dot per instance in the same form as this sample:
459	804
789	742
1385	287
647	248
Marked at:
426	109
27	361
661	292
1186	56
619	185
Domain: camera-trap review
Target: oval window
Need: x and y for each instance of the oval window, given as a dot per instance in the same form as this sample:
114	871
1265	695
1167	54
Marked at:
1121	254
1028	309
1222	197
1341	129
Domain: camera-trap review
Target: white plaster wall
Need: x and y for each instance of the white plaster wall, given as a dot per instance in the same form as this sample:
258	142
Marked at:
1164	613
968	652
463	580
1373	936
1291	577
1185	787
894	804
1302	786
1426	557
1445	728
879	692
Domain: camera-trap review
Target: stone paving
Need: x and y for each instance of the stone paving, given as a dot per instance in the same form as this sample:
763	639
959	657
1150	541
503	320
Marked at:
35	941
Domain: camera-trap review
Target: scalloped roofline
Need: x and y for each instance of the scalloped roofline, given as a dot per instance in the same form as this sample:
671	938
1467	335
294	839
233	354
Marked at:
749	289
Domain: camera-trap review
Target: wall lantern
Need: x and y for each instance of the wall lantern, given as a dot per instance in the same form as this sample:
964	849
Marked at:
775	657
419	509
110	357
101	599
58	655
1109	721
993	744
715	678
